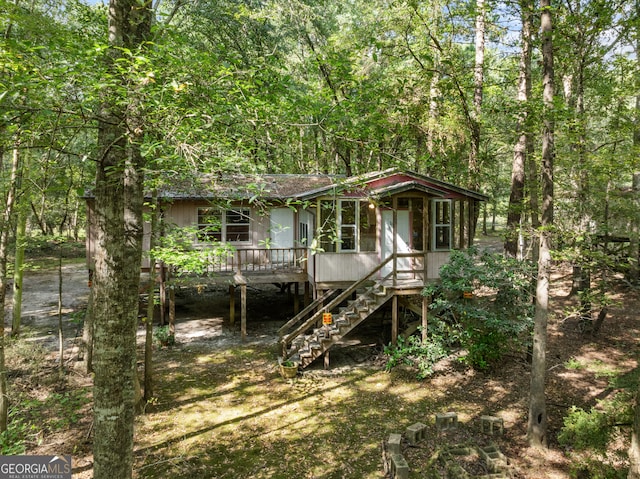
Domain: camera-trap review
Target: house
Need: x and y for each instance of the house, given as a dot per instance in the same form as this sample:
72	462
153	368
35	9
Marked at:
360	241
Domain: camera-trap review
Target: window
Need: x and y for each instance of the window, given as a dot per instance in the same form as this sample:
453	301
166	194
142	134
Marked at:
233	226
327	226
348	227
441	225
303	233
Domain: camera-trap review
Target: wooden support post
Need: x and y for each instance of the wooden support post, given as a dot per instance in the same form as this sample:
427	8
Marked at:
394	320
425	315
232	304
326	359
243	314
172	310
461	237
163	296
307	294
395	242
296	298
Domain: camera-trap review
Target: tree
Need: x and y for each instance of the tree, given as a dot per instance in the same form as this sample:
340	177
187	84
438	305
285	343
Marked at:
118	209
537	423
516	198
5	228
478	80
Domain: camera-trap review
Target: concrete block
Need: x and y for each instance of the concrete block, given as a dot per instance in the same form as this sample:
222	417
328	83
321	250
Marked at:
416	432
399	467
493	457
491	424
393	444
446	421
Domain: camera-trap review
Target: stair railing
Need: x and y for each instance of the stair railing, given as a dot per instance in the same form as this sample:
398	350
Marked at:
302	314
286	340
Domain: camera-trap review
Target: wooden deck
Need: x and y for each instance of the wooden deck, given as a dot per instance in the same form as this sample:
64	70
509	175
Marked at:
250	266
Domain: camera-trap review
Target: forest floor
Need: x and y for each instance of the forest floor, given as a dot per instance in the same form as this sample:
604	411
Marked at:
221	409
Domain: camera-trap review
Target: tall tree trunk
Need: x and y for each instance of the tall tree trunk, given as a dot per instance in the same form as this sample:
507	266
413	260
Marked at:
516	198
87	332
634	247
537	423
478	80
634	449
5	226
118	209
148	343
60	331
634	230
434	85
18	270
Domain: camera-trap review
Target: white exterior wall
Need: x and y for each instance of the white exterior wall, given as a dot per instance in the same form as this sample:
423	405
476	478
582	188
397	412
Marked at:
434	262
343	266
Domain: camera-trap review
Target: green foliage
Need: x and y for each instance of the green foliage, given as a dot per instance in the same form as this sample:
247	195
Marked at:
413	352
30	418
12	441
595	429
498	317
176	248
596	468
164	336
586	429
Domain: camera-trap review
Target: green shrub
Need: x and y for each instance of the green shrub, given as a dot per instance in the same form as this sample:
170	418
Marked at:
164	336
13	440
413	352
585	430
499	315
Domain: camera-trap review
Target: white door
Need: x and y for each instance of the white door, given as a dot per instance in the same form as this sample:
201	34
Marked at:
281	229
403	239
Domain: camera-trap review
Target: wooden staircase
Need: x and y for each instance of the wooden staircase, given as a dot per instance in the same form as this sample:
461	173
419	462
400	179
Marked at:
305	340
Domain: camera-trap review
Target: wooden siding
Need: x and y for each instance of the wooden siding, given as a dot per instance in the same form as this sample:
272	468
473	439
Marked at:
185	214
434	262
338	267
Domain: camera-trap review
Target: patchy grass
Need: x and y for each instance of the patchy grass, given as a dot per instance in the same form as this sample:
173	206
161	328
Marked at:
229	414
222	410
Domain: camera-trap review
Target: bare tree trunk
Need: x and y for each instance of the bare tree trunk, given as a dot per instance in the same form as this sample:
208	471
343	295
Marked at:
634	449
87	331
634	230
148	343
18	270
60	332
478	79
5	226
118	209
434	84
516	198
537	423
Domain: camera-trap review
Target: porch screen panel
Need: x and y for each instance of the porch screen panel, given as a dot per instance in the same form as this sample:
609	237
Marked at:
327	226
441	225
367	226
417	220
348	225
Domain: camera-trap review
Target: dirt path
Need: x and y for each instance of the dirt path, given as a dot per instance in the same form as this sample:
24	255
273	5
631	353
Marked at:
40	298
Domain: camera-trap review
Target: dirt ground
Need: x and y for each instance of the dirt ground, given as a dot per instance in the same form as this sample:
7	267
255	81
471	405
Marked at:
203	321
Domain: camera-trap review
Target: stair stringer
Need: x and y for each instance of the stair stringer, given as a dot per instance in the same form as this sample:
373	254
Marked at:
306	348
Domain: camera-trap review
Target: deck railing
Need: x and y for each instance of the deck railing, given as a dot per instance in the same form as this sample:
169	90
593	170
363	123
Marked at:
260	260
